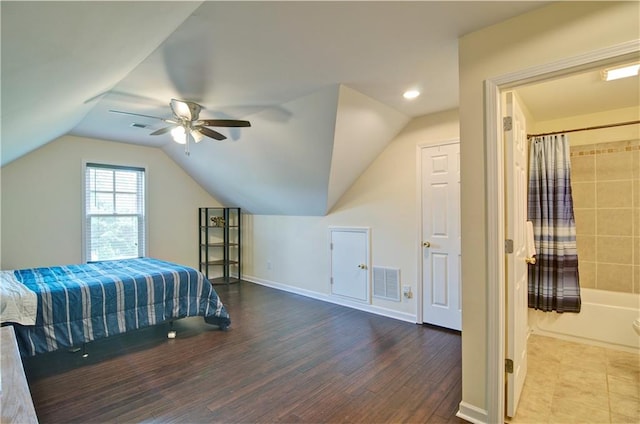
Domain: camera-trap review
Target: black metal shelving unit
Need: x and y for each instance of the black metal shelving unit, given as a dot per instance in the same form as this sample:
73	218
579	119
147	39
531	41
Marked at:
219	244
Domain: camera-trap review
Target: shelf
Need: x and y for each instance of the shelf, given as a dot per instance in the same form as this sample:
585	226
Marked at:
219	230
223	280
218	226
220	262
221	244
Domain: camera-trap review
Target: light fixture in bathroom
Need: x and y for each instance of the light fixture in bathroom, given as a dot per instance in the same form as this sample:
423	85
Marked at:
625	71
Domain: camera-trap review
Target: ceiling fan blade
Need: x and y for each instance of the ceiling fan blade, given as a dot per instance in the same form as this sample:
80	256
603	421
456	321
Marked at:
139	114
163	130
189	111
224	123
211	133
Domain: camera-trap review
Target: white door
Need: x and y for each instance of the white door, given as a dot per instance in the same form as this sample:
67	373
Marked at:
440	181
516	149
350	263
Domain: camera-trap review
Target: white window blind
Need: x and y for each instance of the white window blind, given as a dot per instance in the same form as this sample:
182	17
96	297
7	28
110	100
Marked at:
114	212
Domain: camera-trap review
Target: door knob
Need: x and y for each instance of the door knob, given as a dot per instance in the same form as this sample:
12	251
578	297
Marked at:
426	244
531	260
362	266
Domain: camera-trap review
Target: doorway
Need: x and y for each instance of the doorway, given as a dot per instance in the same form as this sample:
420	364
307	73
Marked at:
602	195
496	204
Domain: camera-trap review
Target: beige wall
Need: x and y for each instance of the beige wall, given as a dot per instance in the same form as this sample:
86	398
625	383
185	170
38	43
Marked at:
383	198
42	203
546	35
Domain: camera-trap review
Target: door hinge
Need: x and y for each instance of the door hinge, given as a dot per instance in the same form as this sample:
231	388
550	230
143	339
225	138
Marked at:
507	123
330	246
508	366
508	246
330	280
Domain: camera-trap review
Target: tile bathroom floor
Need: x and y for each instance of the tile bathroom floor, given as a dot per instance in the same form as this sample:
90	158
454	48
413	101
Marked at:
571	382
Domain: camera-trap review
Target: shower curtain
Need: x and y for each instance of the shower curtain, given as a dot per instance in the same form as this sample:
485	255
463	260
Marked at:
553	280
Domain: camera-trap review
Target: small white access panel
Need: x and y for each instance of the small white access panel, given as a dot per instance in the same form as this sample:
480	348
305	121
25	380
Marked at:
350	263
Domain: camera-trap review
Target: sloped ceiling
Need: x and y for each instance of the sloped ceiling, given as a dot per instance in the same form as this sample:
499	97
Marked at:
321	83
56	55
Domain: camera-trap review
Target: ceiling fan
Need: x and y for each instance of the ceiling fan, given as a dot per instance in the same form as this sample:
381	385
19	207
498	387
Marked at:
186	123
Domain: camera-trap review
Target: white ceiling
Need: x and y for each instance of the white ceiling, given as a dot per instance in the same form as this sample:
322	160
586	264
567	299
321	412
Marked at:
314	78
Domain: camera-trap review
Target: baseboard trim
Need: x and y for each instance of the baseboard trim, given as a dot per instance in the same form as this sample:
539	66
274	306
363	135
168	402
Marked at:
471	413
389	313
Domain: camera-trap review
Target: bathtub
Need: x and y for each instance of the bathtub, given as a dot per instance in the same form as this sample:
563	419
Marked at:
605	320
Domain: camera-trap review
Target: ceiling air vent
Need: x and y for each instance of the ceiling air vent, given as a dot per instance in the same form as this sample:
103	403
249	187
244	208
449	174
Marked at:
386	283
136	125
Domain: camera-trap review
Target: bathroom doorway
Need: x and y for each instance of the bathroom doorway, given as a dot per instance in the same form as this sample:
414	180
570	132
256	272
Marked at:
493	88
605	183
605	172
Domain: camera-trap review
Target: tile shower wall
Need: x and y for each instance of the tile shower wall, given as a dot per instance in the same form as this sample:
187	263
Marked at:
606	196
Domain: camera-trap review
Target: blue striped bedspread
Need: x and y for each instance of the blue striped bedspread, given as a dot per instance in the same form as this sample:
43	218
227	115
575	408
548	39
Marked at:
82	303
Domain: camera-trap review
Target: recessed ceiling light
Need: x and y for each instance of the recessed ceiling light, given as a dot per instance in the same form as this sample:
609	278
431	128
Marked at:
411	94
621	72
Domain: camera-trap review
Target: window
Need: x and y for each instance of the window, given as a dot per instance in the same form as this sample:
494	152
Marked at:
114	212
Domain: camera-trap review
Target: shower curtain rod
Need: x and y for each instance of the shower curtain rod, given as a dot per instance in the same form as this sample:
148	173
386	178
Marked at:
618	124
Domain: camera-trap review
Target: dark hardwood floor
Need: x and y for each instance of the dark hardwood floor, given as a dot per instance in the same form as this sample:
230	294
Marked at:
285	359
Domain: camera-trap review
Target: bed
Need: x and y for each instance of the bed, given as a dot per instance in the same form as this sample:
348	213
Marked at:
67	306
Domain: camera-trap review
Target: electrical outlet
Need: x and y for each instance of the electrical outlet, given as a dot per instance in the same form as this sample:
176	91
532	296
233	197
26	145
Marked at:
406	292
268	264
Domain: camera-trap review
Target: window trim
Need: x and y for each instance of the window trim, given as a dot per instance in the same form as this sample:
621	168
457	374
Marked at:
83	216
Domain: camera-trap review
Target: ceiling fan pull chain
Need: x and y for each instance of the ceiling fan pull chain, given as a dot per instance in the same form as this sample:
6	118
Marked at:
186	145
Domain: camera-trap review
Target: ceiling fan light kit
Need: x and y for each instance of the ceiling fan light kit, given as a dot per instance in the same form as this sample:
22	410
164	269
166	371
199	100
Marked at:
187	111
197	136
187	125
179	135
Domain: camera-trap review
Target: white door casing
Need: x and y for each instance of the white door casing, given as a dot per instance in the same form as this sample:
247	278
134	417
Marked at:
495	384
440	211
516	149
350	263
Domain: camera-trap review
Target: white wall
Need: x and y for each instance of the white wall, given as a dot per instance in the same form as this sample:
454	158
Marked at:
382	198
546	35
42	203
